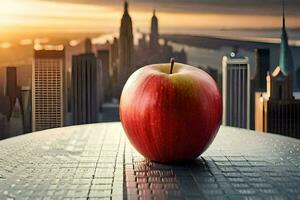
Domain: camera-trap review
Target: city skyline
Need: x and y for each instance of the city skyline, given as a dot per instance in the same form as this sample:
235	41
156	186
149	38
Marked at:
59	83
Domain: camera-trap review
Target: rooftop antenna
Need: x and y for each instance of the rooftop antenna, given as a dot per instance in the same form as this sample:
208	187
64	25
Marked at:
126	6
283	14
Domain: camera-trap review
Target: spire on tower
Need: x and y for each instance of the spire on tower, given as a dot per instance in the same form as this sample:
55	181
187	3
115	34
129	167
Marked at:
286	59
283	15
125	6
88	45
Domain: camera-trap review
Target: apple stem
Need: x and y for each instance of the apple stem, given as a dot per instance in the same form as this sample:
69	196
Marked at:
172	65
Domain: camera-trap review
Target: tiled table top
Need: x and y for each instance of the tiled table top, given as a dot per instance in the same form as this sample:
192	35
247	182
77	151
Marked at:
97	162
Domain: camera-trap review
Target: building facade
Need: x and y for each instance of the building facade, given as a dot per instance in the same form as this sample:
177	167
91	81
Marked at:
47	89
86	91
16	120
11	87
3	126
104	56
236	91
26	106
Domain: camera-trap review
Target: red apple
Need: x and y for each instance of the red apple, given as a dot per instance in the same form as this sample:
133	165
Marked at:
170	112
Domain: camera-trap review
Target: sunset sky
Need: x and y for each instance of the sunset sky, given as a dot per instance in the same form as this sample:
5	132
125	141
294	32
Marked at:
104	15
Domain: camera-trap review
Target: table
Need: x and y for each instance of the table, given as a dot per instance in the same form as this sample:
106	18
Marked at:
97	162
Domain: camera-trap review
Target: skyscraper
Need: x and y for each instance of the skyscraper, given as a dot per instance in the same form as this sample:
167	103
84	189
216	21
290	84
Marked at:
236	91
47	89
262	62
154	32
149	52
126	49
3	126
5	106
24	73
16	120
114	59
26	108
86	76
104	56
11	86
114	65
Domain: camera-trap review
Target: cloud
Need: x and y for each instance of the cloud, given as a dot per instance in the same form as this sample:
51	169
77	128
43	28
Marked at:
238	7
104	16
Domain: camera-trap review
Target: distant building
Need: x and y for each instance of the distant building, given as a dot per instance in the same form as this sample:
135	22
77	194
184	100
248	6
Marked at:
16	77
277	111
126	49
16	120
104	56
113	68
298	75
142	43
152	52
154	32
236	91
3	126
47	89
26	108
262	64
24	73
125	58
11	86
5	106
86	74
73	48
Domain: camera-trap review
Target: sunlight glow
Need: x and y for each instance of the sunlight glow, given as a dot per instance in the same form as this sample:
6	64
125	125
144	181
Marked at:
5	45
74	43
48	47
26	42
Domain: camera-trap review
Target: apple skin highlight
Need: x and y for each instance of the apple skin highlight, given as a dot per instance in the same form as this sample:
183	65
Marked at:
170	117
